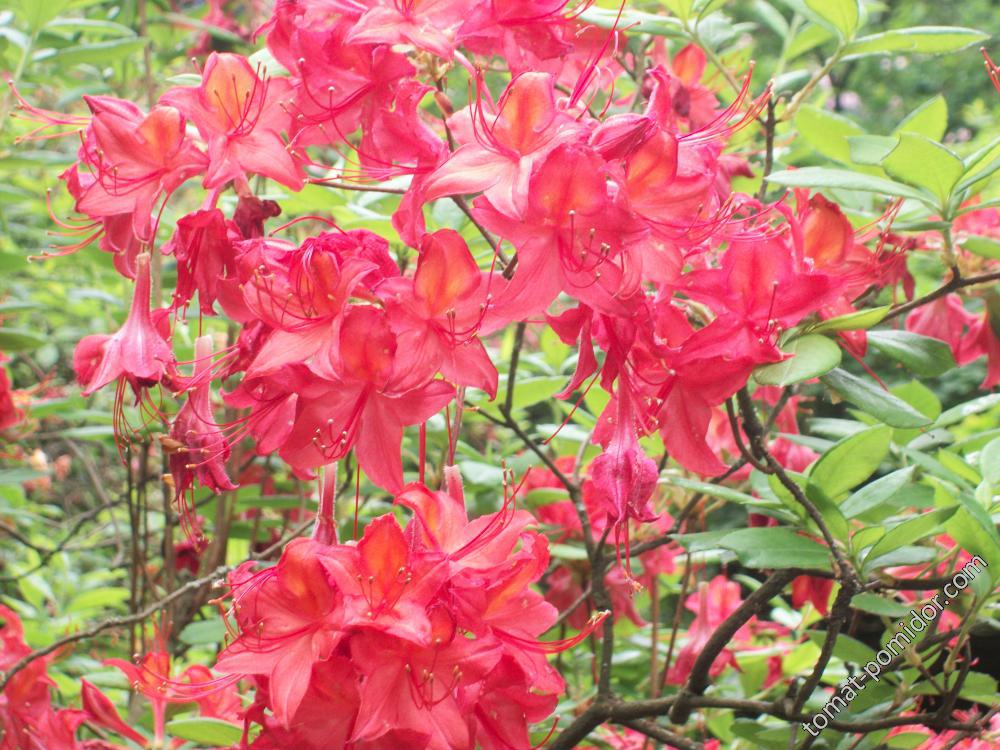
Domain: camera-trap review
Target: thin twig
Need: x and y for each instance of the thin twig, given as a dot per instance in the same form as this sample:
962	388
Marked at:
698	679
143	614
957	281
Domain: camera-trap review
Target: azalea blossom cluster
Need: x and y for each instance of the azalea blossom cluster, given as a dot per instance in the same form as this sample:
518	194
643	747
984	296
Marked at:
419	637
618	209
30	721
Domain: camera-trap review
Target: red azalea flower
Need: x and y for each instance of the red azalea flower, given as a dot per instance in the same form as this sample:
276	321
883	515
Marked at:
241	117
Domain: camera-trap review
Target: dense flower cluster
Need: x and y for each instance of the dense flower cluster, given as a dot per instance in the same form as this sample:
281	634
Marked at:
445	605
30	721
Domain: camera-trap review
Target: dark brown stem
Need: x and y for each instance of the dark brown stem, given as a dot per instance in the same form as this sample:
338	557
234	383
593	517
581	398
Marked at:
698	679
769	126
755	432
143	614
839	613
360	188
956	282
492	241
656	732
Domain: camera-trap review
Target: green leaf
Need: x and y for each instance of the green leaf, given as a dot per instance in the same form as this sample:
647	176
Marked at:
702	541
680	8
567	552
16	476
870	150
989	462
776	547
829	510
878	605
919	161
908	532
204	632
92	26
870	398
527	392
812	355
922	355
202	731
930	119
978	166
99	53
842	179
19	340
845	647
37	13
928	40
985	247
876	493
281	502
810	37
100	598
841	15
545	496
712	490
827	132
861	320
974	406
851	461
973	530
636	21
920	397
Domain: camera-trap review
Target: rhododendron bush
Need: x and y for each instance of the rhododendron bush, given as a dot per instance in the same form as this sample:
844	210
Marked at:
476	374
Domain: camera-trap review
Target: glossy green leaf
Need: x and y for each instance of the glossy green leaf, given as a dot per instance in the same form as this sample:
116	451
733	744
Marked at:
856	321
974	406
872	399
841	15
973	530
851	461
545	496
204	632
870	150
811	356
204	731
989	462
930	119
810	37
92	26
100	599
282	502
712	490
919	161
876	493
908	532
776	547
843	179
845	647
826	131
37	13
878	605
99	53
657	24
986	247
18	340
929	40
568	552
919	354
